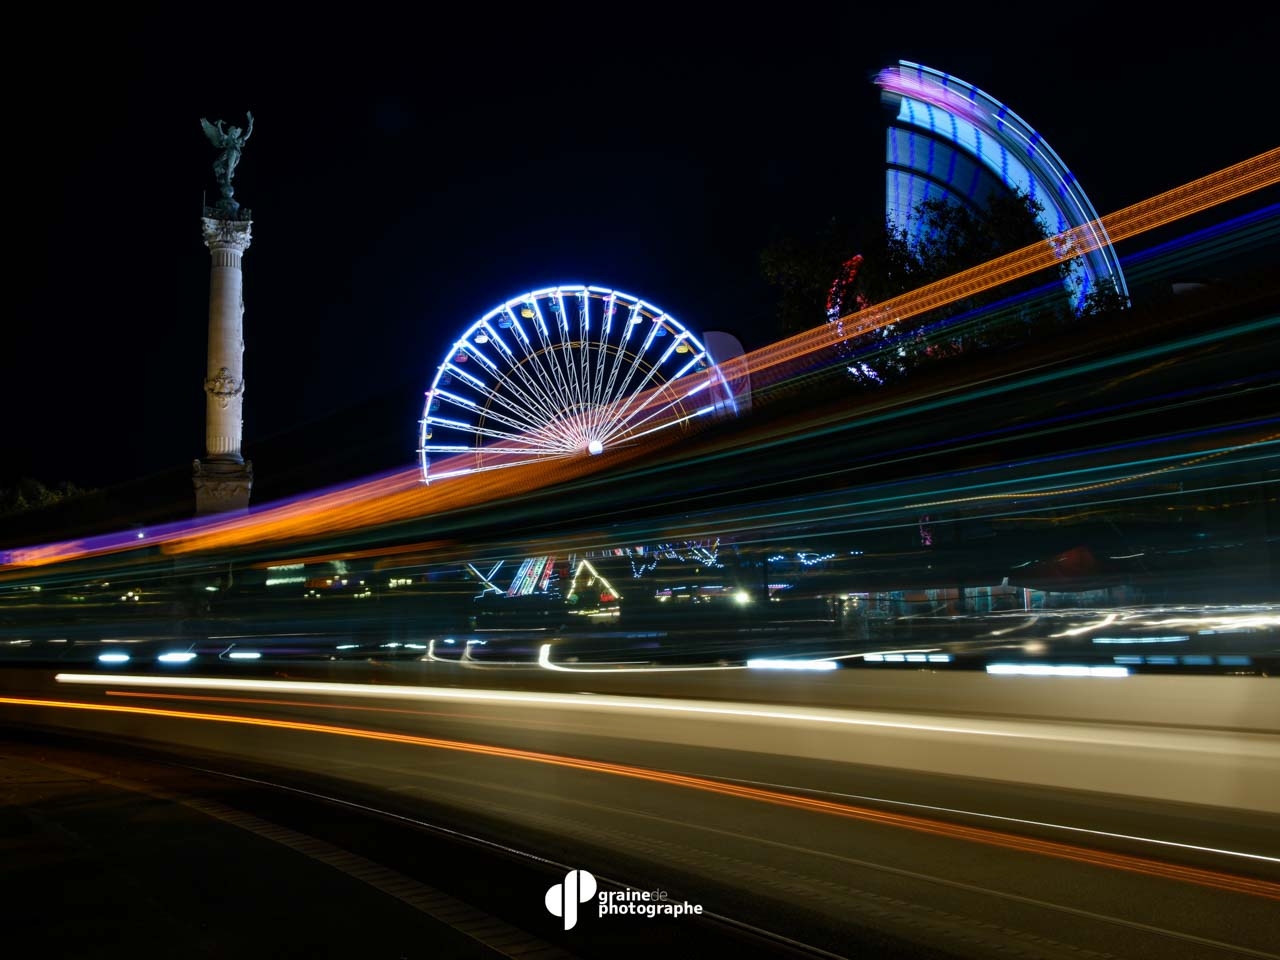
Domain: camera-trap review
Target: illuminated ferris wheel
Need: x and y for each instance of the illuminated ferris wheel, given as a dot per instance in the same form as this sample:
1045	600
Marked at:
563	372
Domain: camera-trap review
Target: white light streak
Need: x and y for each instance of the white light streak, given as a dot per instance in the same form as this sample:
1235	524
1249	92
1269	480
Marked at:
1109	619
1053	670
992	816
1128	640
766	664
842	718
544	661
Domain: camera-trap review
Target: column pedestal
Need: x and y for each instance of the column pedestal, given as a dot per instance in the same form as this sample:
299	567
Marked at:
222	487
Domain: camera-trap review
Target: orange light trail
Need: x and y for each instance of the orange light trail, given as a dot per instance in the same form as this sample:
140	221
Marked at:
402	495
1230	183
355	554
767	364
1050	848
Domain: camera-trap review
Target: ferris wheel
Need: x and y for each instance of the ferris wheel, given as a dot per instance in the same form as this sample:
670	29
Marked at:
563	372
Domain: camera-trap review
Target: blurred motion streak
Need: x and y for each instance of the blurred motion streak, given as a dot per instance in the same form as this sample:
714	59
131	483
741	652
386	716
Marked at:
1235	181
401	495
1152	868
1025	494
262	701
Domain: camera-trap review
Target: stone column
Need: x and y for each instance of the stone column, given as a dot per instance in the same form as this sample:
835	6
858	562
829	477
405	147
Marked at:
224	479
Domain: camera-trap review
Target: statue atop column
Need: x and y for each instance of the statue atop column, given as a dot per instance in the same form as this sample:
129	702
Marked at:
230	142
223	480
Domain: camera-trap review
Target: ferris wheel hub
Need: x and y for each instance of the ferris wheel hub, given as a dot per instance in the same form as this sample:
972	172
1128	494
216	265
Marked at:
595	447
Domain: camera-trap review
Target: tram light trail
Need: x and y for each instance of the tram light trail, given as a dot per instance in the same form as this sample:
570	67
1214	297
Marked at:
1046	848
400	495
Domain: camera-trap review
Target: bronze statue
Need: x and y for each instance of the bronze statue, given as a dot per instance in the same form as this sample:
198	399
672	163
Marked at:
230	142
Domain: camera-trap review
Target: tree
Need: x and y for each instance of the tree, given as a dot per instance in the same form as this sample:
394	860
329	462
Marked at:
803	269
28	494
943	238
1105	301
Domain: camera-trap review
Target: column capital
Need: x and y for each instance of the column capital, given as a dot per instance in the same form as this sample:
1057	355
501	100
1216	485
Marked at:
226	234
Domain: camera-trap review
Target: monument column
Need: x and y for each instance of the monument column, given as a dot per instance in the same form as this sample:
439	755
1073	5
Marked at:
223	480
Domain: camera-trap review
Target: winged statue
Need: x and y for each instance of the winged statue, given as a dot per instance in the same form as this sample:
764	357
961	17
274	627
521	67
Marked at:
230	141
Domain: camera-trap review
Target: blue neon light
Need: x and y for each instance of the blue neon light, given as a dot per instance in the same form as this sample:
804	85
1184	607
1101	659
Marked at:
986	129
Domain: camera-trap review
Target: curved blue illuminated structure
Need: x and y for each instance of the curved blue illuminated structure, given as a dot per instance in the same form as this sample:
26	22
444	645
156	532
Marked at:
949	139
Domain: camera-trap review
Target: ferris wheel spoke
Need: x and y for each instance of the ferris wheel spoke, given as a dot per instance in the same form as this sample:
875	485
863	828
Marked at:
539	393
502	442
535	413
562	353
523	406
521	410
605	358
517	436
549	375
632	395
466	404
584	357
674	421
523	388
489	467
615	393
566	350
558	365
457	372
624	390
630	426
629	326
678	394
572	355
651	405
537	452
550	368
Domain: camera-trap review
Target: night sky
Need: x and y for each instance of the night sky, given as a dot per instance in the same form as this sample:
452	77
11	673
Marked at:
406	176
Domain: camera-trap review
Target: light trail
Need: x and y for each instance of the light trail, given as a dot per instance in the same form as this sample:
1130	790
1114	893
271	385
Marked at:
407	552
999	729
523	698
878	414
323	705
544	661
1030	823
1232	182
880	520
1047	848
400	496
777	516
1101	484
309	704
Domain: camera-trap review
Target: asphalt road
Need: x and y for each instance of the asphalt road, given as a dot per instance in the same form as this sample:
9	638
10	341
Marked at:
802	826
107	857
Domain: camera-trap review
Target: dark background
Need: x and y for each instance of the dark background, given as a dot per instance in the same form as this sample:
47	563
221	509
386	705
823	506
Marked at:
409	169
